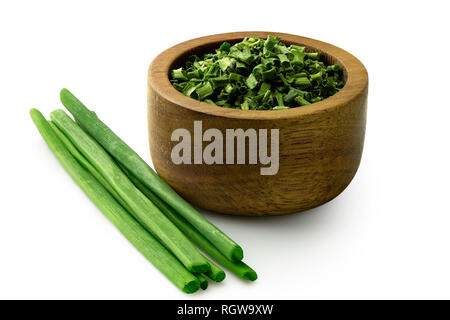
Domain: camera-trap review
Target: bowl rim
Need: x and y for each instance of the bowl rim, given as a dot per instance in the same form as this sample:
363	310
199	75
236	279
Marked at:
158	77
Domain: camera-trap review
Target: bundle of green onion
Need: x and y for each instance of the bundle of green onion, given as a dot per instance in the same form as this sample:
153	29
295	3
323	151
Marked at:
258	74
148	212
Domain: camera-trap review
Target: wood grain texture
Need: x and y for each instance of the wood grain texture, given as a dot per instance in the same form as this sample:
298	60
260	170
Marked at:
320	144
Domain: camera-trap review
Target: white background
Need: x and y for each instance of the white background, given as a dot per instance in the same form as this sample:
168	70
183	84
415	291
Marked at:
386	236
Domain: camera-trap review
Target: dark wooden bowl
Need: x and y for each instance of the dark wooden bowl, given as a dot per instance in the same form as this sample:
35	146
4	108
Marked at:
320	145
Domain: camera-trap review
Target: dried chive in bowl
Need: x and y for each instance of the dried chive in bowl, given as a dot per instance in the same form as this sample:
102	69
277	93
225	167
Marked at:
258	74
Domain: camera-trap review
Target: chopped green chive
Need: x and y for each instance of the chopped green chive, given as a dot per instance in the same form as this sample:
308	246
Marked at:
291	95
209	101
313	55
265	86
317	76
251	81
270	74
179	74
226	63
302	82
204	91
301	101
280	108
284	61
279	98
225	47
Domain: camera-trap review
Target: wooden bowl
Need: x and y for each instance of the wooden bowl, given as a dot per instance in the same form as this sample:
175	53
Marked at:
320	145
